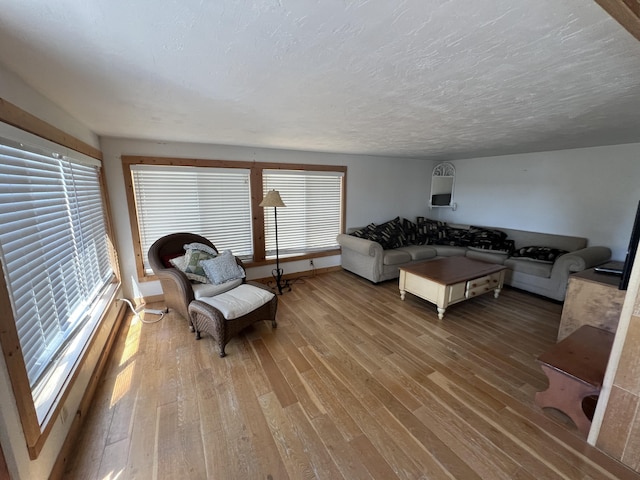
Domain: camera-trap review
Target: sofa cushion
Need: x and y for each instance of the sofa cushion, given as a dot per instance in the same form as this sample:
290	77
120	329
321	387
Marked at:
419	252
491	256
450	250
539	254
395	257
539	269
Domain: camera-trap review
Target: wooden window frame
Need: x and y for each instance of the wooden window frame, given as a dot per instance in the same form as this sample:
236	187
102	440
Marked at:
35	433
255	178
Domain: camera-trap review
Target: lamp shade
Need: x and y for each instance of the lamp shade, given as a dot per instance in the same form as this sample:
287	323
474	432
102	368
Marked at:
272	199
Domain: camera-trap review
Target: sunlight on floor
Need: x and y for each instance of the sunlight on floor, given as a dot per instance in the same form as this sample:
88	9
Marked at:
131	346
133	340
113	475
123	384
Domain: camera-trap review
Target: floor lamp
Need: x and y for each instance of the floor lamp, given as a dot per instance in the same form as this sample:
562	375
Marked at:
272	199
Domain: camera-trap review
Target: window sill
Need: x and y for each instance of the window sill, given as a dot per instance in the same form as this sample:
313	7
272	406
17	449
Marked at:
50	403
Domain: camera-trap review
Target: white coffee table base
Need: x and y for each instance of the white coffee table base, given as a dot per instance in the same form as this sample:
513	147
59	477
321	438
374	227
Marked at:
445	295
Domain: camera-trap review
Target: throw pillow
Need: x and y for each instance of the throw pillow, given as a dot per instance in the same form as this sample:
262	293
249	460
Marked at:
539	254
410	230
364	232
222	268
166	259
178	262
429	231
457	237
202	247
489	239
192	265
390	234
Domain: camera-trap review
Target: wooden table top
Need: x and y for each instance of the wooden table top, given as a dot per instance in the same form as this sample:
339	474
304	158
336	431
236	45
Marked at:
590	275
584	354
451	270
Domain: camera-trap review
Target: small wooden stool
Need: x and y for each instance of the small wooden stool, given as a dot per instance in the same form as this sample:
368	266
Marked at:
575	368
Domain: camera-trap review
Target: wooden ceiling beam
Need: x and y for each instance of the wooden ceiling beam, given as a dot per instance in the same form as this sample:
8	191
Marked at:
626	12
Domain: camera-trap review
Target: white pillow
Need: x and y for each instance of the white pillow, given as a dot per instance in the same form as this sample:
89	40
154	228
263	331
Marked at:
200	246
178	262
222	268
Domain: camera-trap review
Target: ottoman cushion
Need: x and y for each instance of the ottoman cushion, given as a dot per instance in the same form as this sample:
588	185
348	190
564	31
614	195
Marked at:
239	301
201	290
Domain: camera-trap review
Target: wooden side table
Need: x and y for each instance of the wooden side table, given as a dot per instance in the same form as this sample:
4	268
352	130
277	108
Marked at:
592	299
575	368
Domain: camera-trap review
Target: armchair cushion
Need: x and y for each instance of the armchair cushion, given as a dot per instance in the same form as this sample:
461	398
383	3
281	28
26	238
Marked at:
222	268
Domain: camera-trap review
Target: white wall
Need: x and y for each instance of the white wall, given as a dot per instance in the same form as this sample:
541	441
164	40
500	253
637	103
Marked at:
12	438
14	90
378	189
587	192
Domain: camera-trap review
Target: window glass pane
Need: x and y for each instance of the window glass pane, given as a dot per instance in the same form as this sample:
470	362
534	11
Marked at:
212	202
54	249
311	220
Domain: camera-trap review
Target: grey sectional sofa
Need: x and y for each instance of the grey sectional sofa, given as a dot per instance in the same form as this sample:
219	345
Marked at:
368	259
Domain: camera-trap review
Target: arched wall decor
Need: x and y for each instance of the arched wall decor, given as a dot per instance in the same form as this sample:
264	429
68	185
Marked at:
442	185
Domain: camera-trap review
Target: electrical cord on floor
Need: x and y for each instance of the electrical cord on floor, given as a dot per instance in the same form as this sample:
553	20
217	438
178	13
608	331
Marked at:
146	311
292	281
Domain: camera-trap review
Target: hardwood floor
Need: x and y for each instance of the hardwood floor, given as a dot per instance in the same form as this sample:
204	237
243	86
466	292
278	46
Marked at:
354	383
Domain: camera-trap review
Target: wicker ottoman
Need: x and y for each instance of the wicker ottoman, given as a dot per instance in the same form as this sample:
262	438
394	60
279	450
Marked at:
226	314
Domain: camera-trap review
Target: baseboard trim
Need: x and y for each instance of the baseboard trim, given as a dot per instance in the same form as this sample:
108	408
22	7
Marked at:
265	280
80	415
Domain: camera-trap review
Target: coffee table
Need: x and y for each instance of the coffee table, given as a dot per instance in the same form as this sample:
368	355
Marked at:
450	280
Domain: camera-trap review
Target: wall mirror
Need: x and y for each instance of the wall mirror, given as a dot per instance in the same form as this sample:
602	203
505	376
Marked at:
442	183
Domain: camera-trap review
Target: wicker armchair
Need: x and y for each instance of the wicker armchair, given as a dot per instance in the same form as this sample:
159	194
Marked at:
177	289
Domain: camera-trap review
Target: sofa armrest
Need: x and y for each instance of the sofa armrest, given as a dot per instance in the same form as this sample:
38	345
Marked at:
360	245
582	259
362	257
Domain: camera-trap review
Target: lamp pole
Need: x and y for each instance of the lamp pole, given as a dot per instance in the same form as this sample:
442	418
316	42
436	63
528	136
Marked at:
278	270
272	199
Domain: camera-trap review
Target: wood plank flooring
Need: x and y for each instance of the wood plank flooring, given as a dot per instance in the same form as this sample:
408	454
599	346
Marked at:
354	383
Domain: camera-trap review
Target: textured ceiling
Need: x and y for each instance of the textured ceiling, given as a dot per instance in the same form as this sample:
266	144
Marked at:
416	78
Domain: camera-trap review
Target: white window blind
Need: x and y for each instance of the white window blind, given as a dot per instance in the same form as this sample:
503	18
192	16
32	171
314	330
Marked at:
212	202
54	249
311	220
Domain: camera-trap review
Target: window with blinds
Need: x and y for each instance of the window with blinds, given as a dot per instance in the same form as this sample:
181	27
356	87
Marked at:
54	251
212	202
312	218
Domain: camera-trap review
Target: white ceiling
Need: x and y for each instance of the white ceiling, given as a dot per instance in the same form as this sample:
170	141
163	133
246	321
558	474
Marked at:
416	78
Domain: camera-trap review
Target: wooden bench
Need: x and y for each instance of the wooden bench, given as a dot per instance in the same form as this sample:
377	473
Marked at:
575	368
